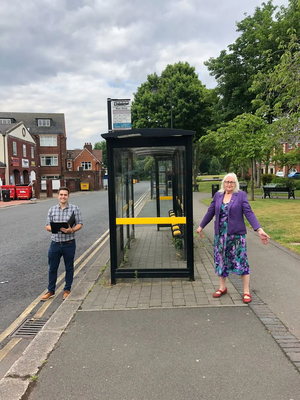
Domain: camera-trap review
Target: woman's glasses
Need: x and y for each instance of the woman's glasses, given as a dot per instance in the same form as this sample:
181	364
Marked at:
229	182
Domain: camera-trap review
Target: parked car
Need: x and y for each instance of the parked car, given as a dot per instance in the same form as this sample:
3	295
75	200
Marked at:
280	173
294	175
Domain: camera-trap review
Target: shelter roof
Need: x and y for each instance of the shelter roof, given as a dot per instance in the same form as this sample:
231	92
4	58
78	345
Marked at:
147	132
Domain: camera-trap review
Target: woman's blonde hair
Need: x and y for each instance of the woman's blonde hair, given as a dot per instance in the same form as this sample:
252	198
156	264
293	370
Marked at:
236	186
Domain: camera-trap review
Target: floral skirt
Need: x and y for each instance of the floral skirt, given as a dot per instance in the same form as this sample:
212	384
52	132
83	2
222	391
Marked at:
231	255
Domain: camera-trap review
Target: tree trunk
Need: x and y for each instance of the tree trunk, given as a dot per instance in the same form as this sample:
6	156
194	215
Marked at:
258	182
242	172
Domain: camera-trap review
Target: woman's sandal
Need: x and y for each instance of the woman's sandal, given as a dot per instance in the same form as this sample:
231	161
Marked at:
220	292
247	298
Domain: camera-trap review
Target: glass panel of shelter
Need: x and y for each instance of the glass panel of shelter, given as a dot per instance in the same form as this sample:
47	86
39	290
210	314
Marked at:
165	199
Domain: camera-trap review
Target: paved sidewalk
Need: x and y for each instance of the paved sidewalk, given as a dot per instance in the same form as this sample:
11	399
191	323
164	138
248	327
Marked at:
162	293
12	203
159	338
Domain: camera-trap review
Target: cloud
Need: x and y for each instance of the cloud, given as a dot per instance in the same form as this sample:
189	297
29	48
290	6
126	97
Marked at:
70	56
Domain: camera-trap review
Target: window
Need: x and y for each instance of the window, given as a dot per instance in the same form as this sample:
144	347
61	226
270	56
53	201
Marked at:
15	148
48	141
24	150
86	165
69	164
44	122
5	121
290	146
49	161
32	152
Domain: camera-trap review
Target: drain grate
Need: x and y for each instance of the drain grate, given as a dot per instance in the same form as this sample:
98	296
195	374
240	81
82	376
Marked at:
29	328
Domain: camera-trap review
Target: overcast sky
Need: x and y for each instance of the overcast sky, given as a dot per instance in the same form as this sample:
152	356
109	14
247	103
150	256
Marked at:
69	56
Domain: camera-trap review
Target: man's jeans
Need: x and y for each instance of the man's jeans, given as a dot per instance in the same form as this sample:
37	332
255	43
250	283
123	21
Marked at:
56	251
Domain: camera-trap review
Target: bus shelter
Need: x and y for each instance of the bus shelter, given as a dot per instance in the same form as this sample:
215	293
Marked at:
167	210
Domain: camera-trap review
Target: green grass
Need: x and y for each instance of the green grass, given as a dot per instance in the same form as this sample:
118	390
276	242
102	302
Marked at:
279	218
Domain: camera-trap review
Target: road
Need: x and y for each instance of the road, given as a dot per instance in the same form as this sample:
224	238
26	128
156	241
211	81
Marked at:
25	242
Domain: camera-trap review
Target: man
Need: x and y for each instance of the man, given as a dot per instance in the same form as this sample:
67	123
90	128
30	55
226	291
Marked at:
63	243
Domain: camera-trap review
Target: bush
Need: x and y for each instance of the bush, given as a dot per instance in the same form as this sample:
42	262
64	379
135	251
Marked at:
285	182
215	166
267	178
198	179
297	184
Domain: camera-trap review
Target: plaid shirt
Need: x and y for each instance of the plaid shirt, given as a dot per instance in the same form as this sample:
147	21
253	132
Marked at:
56	214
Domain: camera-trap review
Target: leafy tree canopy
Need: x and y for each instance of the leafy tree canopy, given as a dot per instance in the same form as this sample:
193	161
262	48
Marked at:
279	92
236	68
179	87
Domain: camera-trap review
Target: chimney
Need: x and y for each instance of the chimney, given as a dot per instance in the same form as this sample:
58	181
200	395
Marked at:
88	146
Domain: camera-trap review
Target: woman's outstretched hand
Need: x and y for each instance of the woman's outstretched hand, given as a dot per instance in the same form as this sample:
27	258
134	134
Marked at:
263	236
199	230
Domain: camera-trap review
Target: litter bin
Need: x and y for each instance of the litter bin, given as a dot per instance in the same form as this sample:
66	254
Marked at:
23	192
214	189
84	186
5	195
12	190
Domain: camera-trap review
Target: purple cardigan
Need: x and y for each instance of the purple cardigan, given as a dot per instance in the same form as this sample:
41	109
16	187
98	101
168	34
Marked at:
238	206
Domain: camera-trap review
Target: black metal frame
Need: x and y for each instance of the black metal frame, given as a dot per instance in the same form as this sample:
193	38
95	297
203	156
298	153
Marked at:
151	138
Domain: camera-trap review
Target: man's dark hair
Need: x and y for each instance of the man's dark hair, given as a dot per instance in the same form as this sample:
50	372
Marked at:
64	188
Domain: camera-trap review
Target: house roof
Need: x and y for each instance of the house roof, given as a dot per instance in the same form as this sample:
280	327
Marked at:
73	154
4	128
30	121
97	154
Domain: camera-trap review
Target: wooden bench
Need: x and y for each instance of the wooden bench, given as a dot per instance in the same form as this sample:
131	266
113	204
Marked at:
277	189
196	187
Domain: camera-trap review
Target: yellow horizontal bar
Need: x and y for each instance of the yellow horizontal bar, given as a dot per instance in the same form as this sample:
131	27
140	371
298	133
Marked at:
151	221
165	197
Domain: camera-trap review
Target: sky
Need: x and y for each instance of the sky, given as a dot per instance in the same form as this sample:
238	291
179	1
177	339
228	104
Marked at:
69	56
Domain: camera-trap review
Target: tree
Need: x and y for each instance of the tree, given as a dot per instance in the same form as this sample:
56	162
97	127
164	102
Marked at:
102	146
208	147
280	92
215	166
177	98
178	88
236	69
244	139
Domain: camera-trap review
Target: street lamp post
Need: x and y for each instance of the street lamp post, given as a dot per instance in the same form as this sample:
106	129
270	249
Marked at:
171	101
154	90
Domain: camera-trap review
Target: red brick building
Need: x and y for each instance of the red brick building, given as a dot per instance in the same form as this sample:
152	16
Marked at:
18	154
273	168
86	165
49	133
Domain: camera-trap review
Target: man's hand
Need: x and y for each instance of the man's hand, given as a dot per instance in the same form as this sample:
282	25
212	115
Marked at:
67	230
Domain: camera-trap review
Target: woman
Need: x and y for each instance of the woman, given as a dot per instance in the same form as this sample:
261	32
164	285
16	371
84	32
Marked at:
229	205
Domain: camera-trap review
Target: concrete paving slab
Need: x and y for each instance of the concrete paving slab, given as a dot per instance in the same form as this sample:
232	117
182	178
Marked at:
34	355
13	389
167	354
